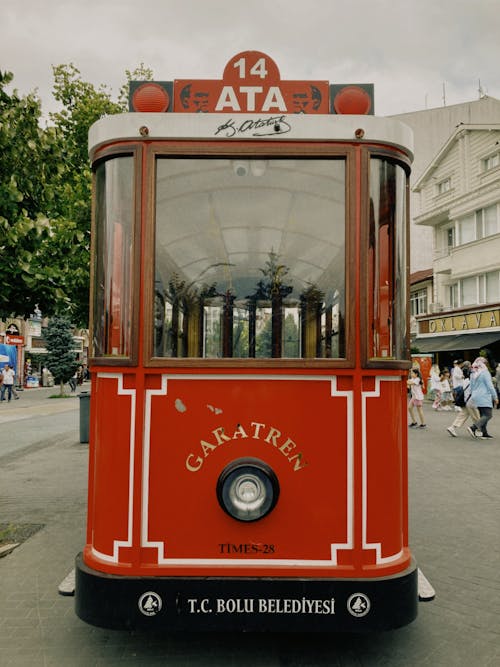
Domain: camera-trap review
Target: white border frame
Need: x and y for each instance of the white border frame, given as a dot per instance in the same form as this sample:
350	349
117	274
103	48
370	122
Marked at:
264	562
254	562
377	546
121	391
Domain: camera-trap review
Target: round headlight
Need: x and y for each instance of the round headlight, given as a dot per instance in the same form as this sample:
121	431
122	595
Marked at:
247	489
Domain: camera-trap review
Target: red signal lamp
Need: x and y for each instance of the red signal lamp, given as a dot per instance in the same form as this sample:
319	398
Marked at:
352	99
149	96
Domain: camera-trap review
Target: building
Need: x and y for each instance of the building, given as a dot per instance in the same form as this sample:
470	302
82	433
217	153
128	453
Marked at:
421	295
459	201
431	129
26	336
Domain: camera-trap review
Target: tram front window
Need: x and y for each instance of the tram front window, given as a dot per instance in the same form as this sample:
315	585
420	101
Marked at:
250	258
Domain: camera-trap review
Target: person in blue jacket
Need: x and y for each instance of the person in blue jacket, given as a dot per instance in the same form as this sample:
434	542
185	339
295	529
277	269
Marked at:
484	397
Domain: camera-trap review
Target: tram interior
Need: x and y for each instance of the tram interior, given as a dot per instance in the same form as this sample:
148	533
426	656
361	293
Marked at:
249	258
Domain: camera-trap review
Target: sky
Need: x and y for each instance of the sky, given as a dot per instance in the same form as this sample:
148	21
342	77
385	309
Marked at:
420	54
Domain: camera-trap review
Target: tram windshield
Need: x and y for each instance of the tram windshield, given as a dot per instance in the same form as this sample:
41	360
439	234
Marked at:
250	258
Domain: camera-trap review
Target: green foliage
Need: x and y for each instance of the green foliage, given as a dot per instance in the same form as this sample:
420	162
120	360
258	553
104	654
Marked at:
82	105
45	194
61	357
26	196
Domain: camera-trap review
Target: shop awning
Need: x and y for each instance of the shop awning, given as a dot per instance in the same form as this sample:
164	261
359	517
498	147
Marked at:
472	341
435	343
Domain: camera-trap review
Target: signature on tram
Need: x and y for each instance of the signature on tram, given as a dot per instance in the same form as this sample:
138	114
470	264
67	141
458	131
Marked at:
262	127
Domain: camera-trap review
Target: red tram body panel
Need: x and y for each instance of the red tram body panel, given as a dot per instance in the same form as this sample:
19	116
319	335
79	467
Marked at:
248	440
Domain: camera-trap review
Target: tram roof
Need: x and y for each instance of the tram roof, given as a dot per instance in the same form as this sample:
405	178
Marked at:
251	127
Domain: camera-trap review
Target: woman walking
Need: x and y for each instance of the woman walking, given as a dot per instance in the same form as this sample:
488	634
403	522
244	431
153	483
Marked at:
484	397
466	406
417	398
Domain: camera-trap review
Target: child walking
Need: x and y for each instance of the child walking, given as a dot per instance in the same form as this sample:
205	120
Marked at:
446	394
417	398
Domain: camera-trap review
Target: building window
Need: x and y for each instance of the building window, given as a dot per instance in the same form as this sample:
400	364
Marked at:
467	229
481	289
487	221
478	225
491	162
492	286
418	302
469	291
444	186
454	295
450	237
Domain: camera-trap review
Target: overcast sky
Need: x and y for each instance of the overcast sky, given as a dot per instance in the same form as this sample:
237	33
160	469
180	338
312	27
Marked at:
419	54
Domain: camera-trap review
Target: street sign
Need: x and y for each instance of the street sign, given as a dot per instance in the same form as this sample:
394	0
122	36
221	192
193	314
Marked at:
14	340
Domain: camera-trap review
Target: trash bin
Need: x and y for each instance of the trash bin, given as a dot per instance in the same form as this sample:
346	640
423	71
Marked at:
84	397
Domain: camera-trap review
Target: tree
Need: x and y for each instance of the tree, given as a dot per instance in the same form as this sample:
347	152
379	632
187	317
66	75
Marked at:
45	194
26	193
61	356
82	104
44	213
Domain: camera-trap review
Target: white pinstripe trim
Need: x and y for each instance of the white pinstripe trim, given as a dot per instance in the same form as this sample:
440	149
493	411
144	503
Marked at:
114	558
264	562
377	546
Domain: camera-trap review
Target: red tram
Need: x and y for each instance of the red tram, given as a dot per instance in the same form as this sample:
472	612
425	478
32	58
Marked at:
248	435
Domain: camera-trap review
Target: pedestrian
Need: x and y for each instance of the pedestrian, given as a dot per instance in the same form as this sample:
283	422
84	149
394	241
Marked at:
435	372
457	376
73	381
14	390
457	379
8	383
465	404
497	378
484	396
415	384
446	393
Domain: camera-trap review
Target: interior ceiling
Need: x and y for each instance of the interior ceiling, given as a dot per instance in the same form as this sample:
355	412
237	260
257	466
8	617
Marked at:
217	221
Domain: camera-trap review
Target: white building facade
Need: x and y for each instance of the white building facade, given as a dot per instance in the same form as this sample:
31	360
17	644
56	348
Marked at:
459	201
431	130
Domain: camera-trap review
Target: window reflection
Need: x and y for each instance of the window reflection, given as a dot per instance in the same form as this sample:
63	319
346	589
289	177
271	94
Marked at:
250	258
387	260
112	308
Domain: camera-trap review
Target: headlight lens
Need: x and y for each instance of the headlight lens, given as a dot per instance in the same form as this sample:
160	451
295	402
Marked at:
247	489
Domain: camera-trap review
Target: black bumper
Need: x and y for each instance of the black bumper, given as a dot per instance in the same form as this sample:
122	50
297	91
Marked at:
268	604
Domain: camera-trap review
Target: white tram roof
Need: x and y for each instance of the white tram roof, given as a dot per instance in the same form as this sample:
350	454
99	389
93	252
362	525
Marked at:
250	127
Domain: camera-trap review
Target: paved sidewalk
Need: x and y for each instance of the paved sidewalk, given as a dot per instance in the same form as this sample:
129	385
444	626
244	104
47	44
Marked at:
31	419
454	519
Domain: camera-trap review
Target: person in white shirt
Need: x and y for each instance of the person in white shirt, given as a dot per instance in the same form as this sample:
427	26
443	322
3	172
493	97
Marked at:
457	375
8	382
457	378
468	409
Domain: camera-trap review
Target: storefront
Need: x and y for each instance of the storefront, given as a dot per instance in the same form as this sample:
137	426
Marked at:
460	334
